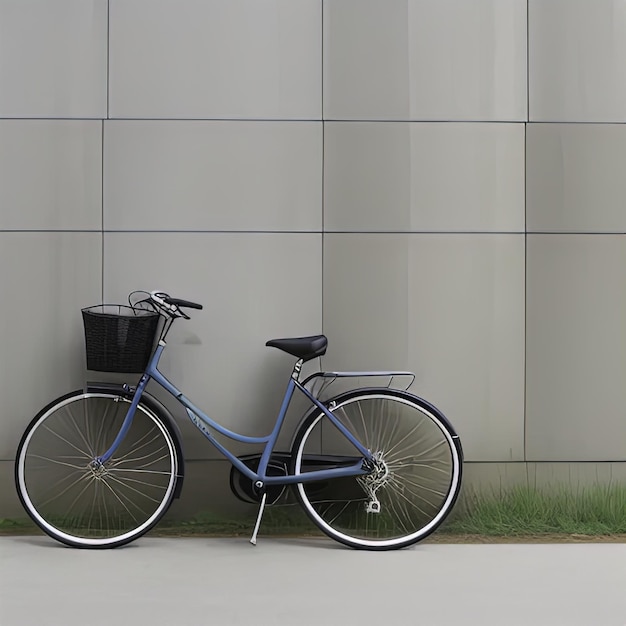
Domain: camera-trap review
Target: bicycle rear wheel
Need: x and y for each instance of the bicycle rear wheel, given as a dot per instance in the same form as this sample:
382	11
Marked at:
416	480
80	503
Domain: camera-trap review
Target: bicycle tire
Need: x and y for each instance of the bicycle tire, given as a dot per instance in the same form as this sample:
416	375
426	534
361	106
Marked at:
84	506
418	448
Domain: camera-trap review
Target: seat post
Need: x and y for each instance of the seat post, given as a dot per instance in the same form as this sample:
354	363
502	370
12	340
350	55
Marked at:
297	369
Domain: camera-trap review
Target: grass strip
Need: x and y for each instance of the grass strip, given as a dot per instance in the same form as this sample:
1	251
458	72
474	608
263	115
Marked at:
17	527
596	510
551	512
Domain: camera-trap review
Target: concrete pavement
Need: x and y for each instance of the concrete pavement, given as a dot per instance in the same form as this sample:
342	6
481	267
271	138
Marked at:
197	581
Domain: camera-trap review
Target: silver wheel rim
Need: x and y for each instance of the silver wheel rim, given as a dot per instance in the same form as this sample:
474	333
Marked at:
114	476
409	537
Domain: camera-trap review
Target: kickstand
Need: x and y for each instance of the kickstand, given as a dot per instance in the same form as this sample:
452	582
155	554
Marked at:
258	519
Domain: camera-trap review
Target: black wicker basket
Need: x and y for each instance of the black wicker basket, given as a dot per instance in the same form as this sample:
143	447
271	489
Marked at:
119	338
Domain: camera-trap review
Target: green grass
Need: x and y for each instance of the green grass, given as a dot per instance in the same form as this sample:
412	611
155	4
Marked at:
17	527
515	512
286	520
598	510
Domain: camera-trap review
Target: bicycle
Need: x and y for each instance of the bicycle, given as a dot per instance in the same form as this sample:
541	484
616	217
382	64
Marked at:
374	468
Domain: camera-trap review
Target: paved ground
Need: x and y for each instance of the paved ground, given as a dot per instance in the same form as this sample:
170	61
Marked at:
185	582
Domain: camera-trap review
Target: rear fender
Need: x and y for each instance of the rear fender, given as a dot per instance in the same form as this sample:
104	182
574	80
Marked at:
384	390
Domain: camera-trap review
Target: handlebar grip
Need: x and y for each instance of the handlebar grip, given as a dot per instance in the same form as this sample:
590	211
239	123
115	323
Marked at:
182	303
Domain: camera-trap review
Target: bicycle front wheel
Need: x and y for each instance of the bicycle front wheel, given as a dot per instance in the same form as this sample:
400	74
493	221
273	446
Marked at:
82	503
417	474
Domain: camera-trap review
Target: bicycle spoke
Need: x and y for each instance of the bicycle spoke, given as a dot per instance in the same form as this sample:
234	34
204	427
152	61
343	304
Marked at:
391	434
54	461
117	463
124	484
99	448
345	506
104	505
78	431
429	464
58	483
120	501
58	495
434	446
87	422
388	453
365	431
138	482
336	501
423	487
69	443
399	492
398	517
126	457
139	471
82	491
131	502
140	443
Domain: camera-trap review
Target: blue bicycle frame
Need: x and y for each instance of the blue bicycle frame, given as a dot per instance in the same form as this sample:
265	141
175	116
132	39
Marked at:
204	423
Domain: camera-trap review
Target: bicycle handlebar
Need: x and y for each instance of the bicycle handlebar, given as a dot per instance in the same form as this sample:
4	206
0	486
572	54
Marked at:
185	303
173	305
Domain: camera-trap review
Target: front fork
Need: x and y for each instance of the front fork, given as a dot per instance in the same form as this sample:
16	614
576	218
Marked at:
126	424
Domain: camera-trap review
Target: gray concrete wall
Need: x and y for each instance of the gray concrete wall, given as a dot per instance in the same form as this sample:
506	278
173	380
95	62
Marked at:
435	184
